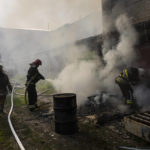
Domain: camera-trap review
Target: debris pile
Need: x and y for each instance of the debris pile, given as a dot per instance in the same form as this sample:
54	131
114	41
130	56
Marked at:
139	125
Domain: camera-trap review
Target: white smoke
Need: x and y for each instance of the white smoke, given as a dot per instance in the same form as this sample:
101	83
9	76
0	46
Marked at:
142	95
85	77
39	14
81	71
79	75
120	56
19	47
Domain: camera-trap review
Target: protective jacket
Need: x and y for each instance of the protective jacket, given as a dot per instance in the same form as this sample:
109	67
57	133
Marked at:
4	83
131	75
127	78
33	76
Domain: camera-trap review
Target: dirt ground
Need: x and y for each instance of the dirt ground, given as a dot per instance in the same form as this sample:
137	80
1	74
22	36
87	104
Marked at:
37	132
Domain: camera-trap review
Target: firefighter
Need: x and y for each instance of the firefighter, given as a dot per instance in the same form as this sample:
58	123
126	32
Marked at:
33	76
4	87
128	78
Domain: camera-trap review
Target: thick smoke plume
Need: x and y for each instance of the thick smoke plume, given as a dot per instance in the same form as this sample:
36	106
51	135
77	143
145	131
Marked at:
18	48
79	75
120	56
71	68
76	20
84	77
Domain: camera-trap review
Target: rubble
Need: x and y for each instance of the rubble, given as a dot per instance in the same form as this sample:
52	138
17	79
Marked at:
100	102
105	107
89	119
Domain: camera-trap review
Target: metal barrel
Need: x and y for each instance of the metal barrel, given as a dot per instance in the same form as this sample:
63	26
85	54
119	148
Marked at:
65	109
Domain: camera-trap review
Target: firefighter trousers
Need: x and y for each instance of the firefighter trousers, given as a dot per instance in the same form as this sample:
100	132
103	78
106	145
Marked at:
2	102
32	95
125	88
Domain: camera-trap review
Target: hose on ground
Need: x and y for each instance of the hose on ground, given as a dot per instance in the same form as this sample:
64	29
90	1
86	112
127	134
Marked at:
10	124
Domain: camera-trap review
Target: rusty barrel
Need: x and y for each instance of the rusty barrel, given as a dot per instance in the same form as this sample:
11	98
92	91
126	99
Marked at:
65	109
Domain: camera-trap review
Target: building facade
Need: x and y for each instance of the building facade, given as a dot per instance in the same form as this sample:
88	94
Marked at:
138	12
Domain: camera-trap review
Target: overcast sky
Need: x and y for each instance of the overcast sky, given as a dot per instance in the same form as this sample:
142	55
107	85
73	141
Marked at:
44	14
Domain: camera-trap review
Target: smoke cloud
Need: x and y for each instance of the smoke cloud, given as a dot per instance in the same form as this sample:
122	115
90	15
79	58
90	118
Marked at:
71	68
21	47
85	77
120	56
44	15
18	48
142	95
80	74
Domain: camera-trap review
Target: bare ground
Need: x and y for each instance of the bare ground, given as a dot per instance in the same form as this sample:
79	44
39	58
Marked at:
36	131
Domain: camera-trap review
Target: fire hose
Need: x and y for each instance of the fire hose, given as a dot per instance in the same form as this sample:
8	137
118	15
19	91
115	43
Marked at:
40	94
25	93
11	109
10	124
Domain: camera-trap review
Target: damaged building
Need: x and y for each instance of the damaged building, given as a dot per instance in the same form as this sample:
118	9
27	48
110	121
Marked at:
138	12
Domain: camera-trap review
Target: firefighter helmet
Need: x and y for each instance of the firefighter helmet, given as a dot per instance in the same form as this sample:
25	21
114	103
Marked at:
37	62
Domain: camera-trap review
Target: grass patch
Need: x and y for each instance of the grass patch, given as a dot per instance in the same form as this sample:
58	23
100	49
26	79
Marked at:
7	141
18	101
20	79
44	85
1	137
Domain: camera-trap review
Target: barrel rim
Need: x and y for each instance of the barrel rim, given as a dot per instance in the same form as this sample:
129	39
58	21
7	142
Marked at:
64	95
66	108
74	122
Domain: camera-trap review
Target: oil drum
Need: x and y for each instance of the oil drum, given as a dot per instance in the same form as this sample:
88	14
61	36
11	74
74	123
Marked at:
65	109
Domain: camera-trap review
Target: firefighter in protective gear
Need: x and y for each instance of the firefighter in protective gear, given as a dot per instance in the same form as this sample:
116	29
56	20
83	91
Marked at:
126	79
4	87
33	76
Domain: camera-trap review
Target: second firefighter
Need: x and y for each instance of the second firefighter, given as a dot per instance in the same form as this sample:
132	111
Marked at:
33	76
127	78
